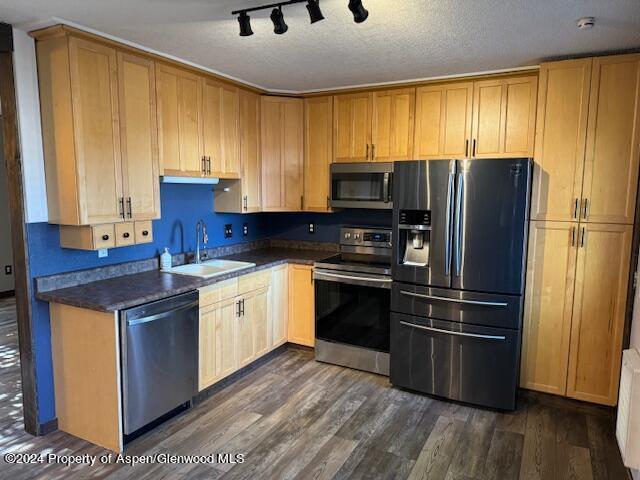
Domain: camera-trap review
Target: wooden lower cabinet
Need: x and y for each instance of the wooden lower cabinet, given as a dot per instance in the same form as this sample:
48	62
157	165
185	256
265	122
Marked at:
279	305
575	302
217	357
301	305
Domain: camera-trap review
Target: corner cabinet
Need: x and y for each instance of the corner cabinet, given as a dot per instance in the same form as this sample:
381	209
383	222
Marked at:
318	141
281	137
99	132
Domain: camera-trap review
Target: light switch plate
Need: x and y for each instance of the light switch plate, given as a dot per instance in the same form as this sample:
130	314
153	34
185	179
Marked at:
228	230
103	252
245	229
8	269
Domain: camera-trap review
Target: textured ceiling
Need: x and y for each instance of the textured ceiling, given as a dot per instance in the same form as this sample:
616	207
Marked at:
401	40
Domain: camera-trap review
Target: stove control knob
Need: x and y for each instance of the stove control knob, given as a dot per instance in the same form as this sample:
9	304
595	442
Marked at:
357	236
347	235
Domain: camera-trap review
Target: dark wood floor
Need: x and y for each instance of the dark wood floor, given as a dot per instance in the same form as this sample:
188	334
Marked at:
296	418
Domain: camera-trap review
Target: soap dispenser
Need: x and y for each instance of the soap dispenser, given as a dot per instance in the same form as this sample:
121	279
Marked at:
165	260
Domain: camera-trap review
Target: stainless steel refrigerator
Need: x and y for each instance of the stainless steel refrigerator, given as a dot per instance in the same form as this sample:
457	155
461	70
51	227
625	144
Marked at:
459	255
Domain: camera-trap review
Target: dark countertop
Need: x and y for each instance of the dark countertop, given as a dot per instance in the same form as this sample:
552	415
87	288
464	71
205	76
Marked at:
136	289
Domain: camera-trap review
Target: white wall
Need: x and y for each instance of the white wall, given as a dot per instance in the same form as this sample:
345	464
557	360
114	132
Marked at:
28	104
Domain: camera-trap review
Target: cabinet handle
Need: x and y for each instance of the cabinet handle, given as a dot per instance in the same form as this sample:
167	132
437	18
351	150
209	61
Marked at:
582	237
575	209
122	207
203	168
573	236
145	233
105	237
126	235
238	308
245	203
209	165
129	209
373	152
367	152
466	147
328	203
586	208
473	149
242	307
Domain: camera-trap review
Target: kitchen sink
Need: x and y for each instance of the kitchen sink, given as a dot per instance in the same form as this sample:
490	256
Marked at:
211	268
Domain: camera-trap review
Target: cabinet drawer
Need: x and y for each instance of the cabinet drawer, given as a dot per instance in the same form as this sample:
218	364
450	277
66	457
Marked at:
87	237
254	281
103	236
144	232
218	291
124	234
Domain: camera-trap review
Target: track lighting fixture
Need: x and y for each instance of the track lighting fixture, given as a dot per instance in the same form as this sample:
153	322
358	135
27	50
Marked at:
315	15
245	24
360	14
279	27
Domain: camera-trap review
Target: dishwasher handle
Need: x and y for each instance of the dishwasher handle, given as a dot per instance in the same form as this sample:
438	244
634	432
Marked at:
158	316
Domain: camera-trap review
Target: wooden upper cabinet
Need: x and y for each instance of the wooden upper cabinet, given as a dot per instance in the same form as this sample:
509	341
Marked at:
393	123
221	129
282	153
504	112
548	307
318	141
179	121
352	116
250	151
138	127
563	106
599	312
613	143
443	121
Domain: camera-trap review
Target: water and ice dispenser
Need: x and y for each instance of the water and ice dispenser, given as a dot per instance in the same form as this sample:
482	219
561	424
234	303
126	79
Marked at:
415	237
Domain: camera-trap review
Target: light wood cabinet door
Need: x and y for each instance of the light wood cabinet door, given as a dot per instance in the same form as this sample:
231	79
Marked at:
548	306
563	106
443	121
94	87
179	121
301	305
250	151
318	145
217	356
244	333
504	113
220	129
393	122
257	308
282	153
138	133
352	117
598	313
613	142
279	305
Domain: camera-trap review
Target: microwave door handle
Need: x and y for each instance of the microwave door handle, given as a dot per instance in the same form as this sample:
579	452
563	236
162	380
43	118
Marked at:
447	230
385	188
458	227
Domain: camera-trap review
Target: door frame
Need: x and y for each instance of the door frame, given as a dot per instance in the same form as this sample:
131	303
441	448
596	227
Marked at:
23	289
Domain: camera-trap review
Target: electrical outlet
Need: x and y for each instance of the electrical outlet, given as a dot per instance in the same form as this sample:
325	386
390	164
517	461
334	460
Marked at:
228	230
245	229
7	269
103	252
312	228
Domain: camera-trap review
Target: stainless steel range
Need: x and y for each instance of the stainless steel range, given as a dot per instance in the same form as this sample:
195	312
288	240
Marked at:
352	298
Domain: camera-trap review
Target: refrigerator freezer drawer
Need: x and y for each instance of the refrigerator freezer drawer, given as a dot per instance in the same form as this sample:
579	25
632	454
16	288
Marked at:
474	308
477	365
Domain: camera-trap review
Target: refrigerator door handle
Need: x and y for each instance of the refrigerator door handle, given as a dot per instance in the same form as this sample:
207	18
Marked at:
454	300
457	334
458	227
447	230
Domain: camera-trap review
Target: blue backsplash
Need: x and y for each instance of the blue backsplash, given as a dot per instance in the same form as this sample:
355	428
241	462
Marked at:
182	207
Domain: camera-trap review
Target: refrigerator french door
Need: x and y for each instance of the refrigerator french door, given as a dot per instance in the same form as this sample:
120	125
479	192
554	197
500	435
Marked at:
460	230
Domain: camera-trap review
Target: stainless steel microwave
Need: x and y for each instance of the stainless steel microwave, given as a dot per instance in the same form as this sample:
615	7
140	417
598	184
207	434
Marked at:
361	185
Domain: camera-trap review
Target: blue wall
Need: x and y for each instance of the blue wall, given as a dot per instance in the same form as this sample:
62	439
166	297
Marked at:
182	207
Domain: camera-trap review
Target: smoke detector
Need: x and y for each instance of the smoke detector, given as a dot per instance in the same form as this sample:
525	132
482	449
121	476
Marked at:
585	23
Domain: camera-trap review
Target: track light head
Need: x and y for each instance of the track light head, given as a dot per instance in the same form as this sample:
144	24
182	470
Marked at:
279	27
245	24
315	15
360	14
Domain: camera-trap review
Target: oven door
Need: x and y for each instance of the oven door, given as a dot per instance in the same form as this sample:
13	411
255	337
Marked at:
361	185
353	309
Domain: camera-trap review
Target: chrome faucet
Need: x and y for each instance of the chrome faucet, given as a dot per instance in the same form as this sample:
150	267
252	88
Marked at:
205	238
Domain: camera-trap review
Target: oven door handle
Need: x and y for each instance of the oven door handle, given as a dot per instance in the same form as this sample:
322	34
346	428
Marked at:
455	300
382	281
457	334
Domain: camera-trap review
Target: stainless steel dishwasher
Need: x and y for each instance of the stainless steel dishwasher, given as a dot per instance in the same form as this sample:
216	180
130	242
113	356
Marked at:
159	344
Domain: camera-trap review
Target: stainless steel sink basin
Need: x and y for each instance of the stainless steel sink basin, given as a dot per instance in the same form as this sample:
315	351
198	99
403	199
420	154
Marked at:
211	268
